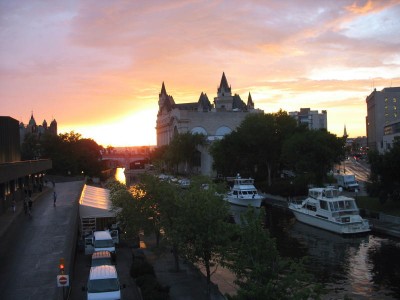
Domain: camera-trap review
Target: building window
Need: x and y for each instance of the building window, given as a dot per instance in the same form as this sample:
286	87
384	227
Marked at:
394	100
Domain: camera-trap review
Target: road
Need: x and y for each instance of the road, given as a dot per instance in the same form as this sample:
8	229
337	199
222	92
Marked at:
360	168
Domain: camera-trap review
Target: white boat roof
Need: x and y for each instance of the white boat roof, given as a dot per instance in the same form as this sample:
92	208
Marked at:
324	192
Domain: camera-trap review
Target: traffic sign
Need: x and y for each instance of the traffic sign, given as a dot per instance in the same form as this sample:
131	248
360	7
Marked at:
62	280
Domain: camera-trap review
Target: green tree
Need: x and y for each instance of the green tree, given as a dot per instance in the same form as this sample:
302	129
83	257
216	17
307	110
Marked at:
313	152
125	204
204	229
183	149
31	148
72	154
385	177
254	148
261	273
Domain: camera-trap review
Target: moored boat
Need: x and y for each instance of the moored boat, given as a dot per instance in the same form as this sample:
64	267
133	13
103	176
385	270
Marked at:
244	193
326	208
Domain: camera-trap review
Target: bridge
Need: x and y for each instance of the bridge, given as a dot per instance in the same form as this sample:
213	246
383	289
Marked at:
129	161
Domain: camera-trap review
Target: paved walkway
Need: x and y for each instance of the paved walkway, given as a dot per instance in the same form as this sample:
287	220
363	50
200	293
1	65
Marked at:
187	284
31	247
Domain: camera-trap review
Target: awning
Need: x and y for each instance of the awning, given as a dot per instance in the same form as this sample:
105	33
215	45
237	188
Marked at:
95	203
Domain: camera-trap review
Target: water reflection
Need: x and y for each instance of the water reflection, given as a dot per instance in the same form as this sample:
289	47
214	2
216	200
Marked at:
120	175
357	267
126	177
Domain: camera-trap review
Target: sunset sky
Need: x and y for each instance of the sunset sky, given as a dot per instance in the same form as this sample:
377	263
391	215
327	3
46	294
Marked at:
97	66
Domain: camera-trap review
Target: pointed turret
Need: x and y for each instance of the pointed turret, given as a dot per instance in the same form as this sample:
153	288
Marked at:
164	100
32	121
204	104
250	103
345	135
224	87
163	90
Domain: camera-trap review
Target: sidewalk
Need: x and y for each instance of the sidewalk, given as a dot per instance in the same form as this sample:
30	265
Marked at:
188	284
9	217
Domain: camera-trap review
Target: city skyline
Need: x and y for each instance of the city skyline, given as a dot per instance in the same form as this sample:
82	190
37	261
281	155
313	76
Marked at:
97	66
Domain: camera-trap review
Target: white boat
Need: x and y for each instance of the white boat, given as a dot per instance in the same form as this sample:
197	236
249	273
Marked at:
243	193
326	208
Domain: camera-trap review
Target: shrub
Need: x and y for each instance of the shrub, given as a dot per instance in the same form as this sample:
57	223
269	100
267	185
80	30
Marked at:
151	288
140	268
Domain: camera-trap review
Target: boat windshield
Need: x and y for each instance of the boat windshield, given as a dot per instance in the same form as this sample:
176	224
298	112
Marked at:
342	205
242	181
331	193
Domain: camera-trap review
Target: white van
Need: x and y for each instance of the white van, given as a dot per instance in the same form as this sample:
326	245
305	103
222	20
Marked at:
103	283
102	241
101	258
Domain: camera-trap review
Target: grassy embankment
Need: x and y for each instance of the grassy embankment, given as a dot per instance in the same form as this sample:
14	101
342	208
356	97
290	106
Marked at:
373	204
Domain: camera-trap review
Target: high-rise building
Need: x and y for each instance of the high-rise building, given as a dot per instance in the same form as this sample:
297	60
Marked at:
383	118
311	118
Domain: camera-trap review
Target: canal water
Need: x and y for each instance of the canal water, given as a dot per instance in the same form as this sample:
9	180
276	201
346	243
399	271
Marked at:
364	267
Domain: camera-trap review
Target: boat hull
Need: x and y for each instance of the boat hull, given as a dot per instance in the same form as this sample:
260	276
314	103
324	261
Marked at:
326	224
255	202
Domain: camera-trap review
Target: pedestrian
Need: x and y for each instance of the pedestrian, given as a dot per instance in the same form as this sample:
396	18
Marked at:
13	205
25	206
54	198
30	204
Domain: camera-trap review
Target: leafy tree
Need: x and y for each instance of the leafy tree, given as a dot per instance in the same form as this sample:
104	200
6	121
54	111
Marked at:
260	271
71	154
30	148
125	205
385	175
313	152
255	147
203	228
183	149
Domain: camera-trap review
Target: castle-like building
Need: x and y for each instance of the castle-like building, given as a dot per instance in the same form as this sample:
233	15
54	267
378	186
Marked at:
214	120
39	130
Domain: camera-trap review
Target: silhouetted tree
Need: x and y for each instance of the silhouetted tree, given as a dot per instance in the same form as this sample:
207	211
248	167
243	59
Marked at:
261	273
313	152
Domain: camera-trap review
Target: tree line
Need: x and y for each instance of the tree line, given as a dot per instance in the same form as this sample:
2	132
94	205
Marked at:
385	175
70	153
261	147
194	223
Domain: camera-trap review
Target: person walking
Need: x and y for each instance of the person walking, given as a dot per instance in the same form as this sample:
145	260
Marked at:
54	198
30	204
13	205
25	206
